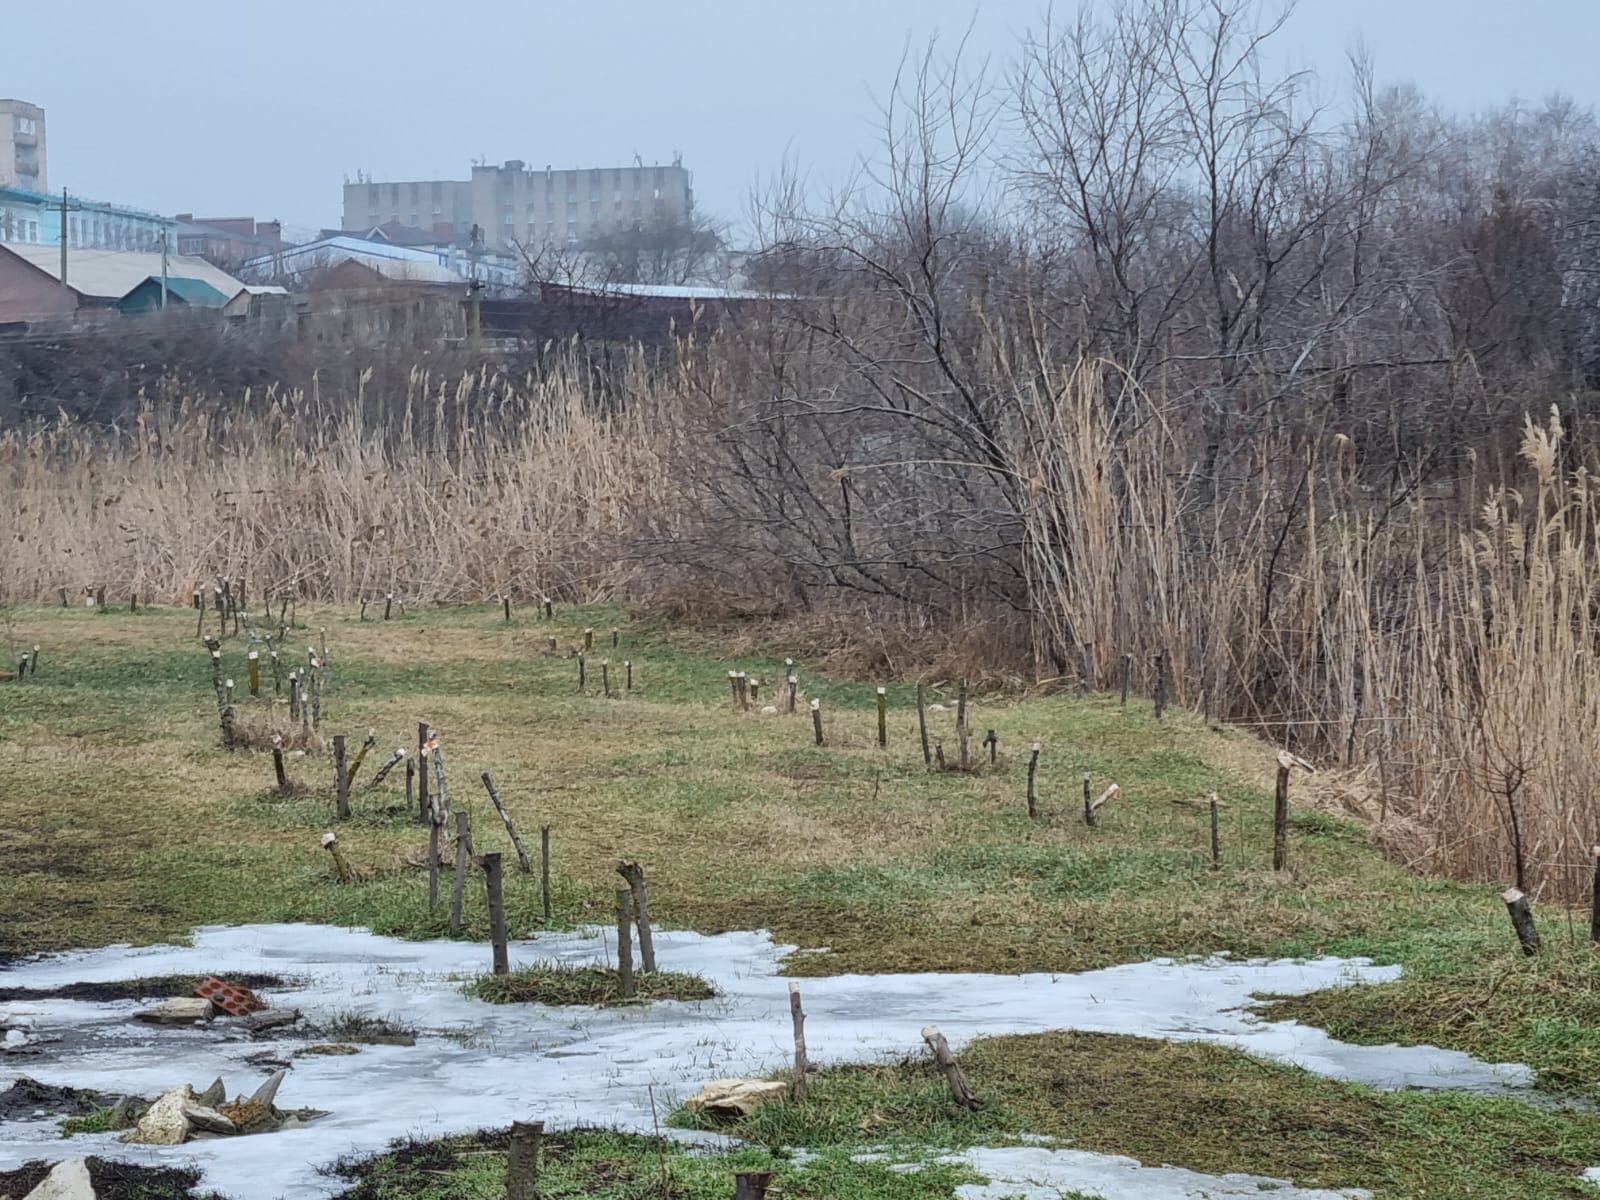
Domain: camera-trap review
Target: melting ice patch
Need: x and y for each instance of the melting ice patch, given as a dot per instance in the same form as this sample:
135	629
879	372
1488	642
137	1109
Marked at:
479	1065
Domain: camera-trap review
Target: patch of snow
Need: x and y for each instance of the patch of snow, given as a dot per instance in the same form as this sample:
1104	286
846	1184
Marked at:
480	1065
1030	1173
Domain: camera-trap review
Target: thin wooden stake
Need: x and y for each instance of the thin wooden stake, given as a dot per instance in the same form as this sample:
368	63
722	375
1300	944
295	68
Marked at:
411	784
794	688
922	726
278	771
549	610
605	677
992	740
1522	920
1161	683
816	719
588	639
254	659
628	666
505	602
522	1164
625	943
883	718
583	673
801	1065
1594	901
1280	820
497	912
1089	817
1216	836
505	817
544	869
458	891
1033	770
961	725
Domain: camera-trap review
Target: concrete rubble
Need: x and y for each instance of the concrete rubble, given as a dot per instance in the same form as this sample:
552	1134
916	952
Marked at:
69	1180
181	1115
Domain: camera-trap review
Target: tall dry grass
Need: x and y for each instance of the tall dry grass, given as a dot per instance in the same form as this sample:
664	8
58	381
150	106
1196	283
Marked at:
1439	644
460	489
1443	647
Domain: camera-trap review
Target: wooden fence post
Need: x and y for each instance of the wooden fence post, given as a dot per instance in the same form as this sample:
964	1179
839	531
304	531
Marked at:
922	725
1280	819
341	779
254	659
801	1065
1033	770
463	849
1522	920
625	943
816	719
634	874
497	912
1088	804
992	740
883	718
1216	836
628	665
422	769
544	869
794	688
1127	675
1594	901
1161	683
961	725
278	771
522	1163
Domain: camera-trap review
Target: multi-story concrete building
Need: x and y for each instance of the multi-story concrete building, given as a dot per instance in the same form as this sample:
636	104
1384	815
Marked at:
514	205
95	225
22	146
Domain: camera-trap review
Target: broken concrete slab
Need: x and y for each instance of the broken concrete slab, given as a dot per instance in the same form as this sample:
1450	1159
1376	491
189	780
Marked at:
164	1122
183	1010
205	1119
68	1180
213	1095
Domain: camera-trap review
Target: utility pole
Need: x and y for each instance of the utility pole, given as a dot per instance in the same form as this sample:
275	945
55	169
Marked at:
66	292
163	270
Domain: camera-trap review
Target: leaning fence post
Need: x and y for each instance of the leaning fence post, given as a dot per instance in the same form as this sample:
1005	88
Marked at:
330	843
497	912
625	943
1522	920
634	874
505	817
522	1163
945	1059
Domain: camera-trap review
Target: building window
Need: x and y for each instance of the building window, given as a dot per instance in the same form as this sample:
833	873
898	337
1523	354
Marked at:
26	125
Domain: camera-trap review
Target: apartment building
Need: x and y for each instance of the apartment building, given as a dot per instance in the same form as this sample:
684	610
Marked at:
515	205
22	146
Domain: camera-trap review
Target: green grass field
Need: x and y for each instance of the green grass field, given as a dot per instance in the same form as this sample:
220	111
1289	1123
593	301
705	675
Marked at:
122	818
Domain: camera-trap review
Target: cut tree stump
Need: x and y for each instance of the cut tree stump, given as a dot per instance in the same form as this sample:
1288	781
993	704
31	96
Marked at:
801	1064
1522	920
522	1164
634	874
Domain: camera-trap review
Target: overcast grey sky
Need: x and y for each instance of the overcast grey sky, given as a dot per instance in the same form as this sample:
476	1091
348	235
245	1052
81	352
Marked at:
262	108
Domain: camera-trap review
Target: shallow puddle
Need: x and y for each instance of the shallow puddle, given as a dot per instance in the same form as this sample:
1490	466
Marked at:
478	1065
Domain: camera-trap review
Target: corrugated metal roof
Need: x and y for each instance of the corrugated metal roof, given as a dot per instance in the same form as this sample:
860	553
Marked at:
112	274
